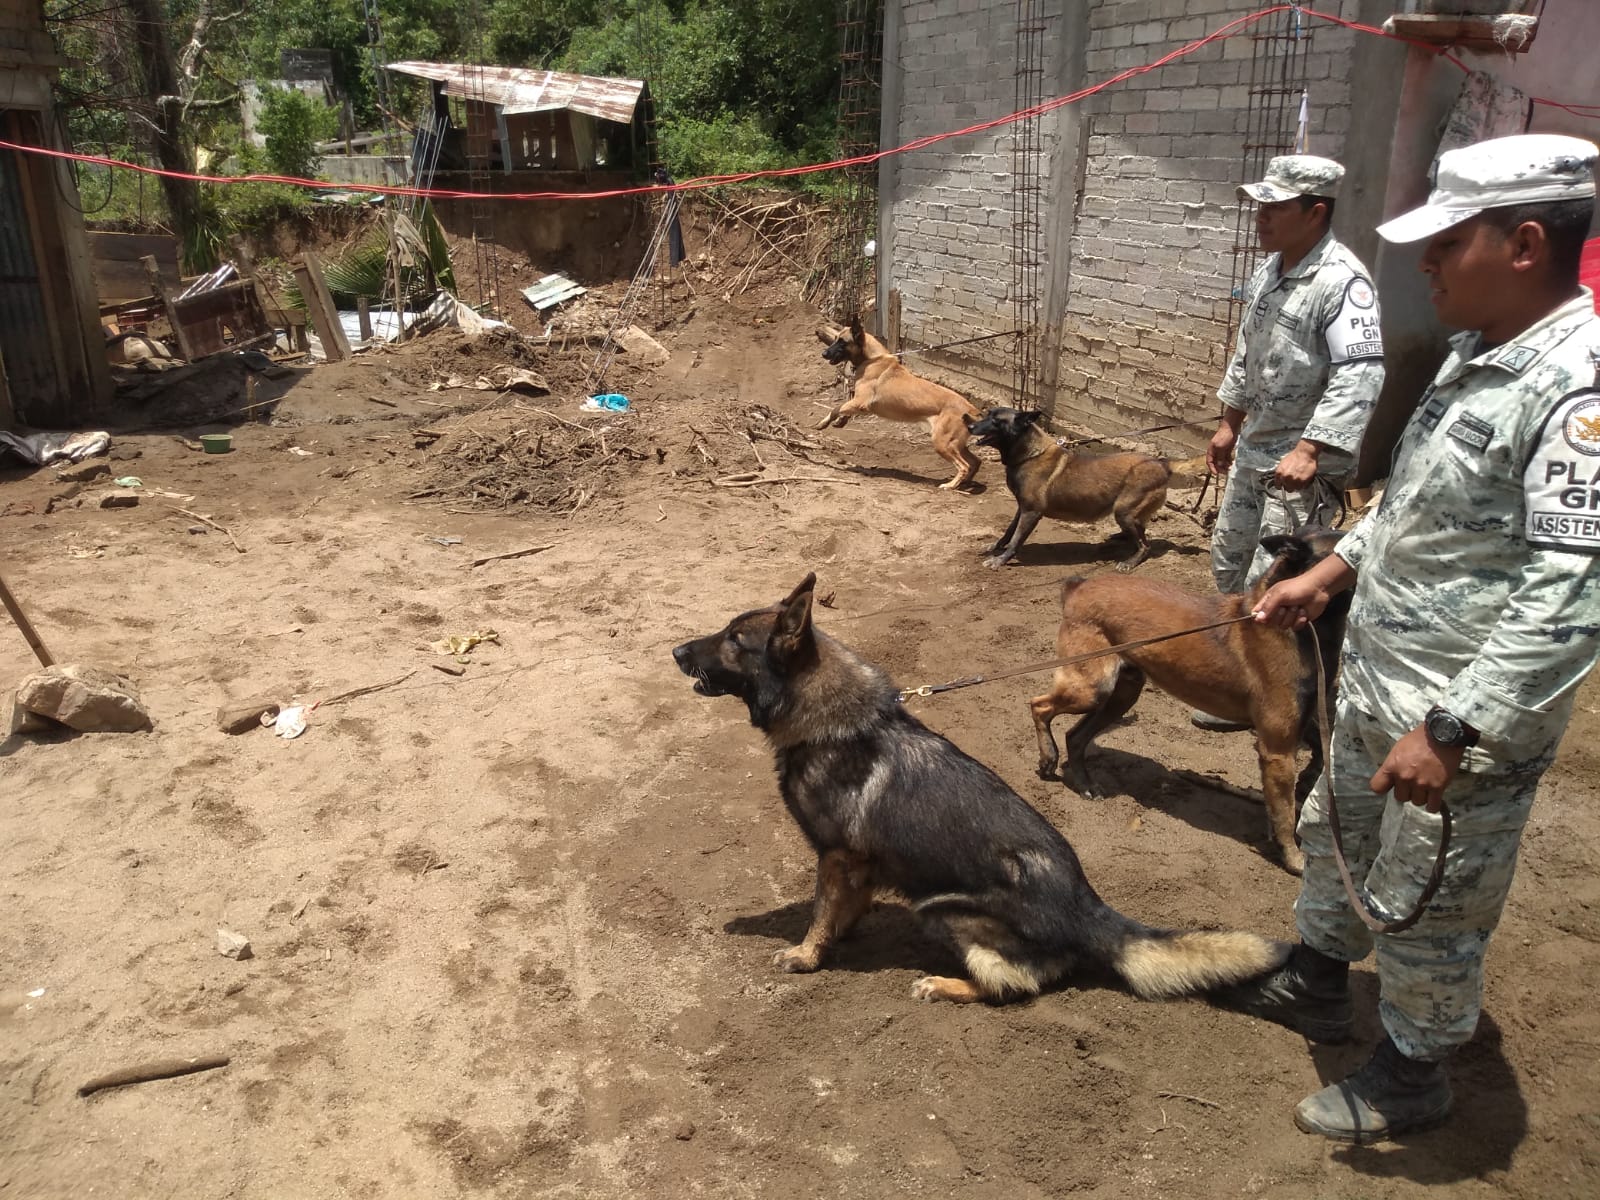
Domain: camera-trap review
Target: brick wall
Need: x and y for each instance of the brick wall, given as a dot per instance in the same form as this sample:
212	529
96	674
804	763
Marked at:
1145	327
950	209
1150	238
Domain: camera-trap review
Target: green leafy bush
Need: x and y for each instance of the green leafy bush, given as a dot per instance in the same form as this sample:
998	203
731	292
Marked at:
293	123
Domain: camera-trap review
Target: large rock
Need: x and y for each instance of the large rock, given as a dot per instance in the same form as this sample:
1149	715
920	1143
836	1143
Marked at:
84	698
640	346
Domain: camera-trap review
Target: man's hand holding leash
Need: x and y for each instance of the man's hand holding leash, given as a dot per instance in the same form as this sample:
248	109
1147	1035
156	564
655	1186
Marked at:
1417	769
1297	470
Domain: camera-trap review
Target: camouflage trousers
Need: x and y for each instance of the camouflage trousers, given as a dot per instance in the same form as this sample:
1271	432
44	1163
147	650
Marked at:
1431	975
1254	507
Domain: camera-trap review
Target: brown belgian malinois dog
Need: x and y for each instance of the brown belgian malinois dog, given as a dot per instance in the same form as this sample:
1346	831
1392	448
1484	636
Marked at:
1048	480
885	388
1247	672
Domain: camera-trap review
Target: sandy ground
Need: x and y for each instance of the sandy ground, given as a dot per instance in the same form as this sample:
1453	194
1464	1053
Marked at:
512	930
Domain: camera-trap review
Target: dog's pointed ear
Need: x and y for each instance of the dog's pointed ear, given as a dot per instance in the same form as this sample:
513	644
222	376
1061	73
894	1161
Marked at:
1277	544
791	636
855	327
1290	556
1030	416
968	420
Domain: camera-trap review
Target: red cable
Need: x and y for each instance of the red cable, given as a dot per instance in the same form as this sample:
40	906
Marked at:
710	181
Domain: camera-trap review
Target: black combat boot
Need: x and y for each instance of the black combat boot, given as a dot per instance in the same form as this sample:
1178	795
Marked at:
1309	994
1391	1095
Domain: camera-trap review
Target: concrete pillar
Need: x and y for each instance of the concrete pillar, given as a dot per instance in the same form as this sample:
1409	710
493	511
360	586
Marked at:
888	135
1407	100
1061	197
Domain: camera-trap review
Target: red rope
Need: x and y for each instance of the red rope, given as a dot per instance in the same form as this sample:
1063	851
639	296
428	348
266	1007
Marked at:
1231	29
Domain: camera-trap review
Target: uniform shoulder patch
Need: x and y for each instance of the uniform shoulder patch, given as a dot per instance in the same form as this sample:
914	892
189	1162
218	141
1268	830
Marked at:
1354	332
1561	485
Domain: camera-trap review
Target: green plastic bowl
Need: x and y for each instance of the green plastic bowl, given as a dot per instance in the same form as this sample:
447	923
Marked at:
216	443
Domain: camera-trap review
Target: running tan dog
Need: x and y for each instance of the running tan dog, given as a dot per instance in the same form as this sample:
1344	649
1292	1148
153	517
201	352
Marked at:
1246	672
885	388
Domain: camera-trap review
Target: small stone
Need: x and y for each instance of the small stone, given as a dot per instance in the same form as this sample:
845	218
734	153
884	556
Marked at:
118	498
232	945
83	472
683	1130
200	529
66	499
125	453
84	698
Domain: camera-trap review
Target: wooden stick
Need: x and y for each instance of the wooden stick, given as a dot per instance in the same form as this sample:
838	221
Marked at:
364	691
747	481
26	626
1192	1099
553	416
214	525
478	562
161	1068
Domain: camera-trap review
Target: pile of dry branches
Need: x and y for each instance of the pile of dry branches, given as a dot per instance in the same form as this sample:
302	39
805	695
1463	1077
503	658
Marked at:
766	233
518	455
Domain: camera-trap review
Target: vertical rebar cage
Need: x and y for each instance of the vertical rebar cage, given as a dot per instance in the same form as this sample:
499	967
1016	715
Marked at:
851	274
1279	50
483	120
1027	144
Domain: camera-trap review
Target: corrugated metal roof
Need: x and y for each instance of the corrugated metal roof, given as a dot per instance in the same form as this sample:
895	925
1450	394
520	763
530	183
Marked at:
521	90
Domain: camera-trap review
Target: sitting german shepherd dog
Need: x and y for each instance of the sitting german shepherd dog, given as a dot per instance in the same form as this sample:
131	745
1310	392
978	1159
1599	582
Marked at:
885	388
888	805
1248	673
1050	481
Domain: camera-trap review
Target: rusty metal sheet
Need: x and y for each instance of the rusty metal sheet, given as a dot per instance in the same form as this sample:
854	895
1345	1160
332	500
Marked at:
521	90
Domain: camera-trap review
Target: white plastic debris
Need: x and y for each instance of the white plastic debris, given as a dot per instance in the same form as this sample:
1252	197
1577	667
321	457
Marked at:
290	722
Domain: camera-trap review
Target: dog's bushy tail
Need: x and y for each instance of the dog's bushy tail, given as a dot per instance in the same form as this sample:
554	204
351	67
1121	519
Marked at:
1158	963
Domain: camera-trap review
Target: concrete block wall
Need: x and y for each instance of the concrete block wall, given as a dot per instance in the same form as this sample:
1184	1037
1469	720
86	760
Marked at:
1140	228
1152	243
948	211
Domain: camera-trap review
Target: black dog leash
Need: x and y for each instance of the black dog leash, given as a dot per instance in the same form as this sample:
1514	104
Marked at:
988	337
1068	443
1368	917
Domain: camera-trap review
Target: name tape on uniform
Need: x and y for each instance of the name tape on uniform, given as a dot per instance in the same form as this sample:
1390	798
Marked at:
1562	482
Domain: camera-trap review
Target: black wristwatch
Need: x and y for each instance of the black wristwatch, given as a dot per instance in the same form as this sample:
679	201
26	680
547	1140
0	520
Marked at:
1446	729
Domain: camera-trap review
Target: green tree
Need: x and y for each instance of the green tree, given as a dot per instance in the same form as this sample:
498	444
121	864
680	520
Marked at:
292	124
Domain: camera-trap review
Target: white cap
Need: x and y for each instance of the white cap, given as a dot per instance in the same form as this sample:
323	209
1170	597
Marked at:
1530	168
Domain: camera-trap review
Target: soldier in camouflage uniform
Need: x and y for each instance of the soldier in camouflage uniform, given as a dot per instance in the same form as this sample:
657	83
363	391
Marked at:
1303	381
1305	372
1476	617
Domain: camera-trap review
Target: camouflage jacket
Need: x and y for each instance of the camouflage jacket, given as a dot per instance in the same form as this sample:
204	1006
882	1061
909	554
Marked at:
1479	581
1309	359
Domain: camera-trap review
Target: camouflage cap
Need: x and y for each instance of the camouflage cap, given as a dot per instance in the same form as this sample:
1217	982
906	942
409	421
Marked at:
1527	168
1292	175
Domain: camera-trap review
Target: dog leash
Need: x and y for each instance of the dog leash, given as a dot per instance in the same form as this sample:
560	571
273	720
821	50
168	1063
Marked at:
1050	664
988	337
1068	443
1368	917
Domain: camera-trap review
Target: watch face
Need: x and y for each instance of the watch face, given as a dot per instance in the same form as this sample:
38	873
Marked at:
1445	729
